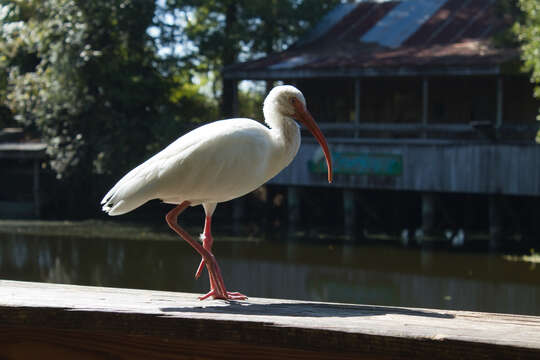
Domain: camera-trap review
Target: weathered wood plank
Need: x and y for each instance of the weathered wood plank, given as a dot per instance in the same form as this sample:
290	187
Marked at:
509	169
408	128
22	150
281	74
397	127
65	321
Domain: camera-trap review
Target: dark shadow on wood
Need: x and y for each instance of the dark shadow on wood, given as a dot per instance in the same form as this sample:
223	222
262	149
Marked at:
305	309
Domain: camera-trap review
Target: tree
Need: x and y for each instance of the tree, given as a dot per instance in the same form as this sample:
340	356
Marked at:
223	32
82	74
87	77
528	32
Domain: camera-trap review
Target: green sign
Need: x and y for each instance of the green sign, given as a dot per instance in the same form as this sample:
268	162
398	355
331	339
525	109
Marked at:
361	164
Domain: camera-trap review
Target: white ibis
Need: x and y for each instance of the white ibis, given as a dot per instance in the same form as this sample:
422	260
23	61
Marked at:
218	162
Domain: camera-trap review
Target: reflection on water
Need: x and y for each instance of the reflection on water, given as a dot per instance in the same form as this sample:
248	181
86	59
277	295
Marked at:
382	275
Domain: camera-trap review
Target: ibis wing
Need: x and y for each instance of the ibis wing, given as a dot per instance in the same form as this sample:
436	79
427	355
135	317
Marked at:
207	164
229	163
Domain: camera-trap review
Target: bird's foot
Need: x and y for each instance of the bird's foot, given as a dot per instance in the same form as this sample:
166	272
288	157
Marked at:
217	286
224	296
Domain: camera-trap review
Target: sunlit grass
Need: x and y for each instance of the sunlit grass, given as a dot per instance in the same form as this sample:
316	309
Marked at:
85	229
99	229
533	257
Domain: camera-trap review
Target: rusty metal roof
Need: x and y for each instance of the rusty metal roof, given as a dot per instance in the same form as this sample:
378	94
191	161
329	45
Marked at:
395	38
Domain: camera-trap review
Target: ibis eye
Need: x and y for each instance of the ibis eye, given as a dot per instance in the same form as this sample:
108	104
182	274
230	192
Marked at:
293	100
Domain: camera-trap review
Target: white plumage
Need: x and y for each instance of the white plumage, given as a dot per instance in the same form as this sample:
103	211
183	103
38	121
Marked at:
219	161
213	163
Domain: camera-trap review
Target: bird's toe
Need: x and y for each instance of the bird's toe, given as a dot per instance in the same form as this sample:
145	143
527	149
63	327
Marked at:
228	295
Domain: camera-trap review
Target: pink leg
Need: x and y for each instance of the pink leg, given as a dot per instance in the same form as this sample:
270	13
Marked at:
207	242
217	286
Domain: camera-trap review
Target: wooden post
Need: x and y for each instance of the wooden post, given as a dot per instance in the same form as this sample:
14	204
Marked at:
495	222
349	213
269	85
500	93
37	200
238	214
293	207
266	209
229	98
428	212
357	103
425	105
235	99
534	230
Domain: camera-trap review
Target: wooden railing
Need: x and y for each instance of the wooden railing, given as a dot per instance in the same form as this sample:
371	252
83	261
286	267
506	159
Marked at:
47	321
484	130
475	130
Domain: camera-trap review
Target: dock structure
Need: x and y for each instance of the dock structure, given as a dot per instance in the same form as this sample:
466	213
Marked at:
413	96
52	321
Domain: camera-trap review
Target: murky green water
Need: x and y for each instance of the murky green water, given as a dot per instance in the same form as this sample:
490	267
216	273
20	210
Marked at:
383	275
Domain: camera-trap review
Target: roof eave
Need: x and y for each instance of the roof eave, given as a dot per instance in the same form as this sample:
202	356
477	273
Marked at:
280	74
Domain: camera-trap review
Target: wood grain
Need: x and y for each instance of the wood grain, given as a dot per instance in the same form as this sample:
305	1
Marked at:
429	165
64	321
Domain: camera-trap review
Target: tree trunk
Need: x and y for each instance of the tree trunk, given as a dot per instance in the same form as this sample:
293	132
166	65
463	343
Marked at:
230	54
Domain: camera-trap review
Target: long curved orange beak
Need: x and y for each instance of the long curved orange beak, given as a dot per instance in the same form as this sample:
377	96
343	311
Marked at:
303	115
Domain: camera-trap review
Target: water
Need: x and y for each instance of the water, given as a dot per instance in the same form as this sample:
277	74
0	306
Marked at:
368	274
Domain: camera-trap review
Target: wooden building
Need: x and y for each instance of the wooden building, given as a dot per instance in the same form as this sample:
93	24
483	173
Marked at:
20	166
413	96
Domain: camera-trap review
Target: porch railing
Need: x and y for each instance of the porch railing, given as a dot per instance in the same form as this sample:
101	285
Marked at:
477	130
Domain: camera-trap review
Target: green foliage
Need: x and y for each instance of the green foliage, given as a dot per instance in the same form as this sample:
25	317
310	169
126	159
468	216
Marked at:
242	29
81	75
217	33
250	104
86	77
528	32
510	11
187	108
